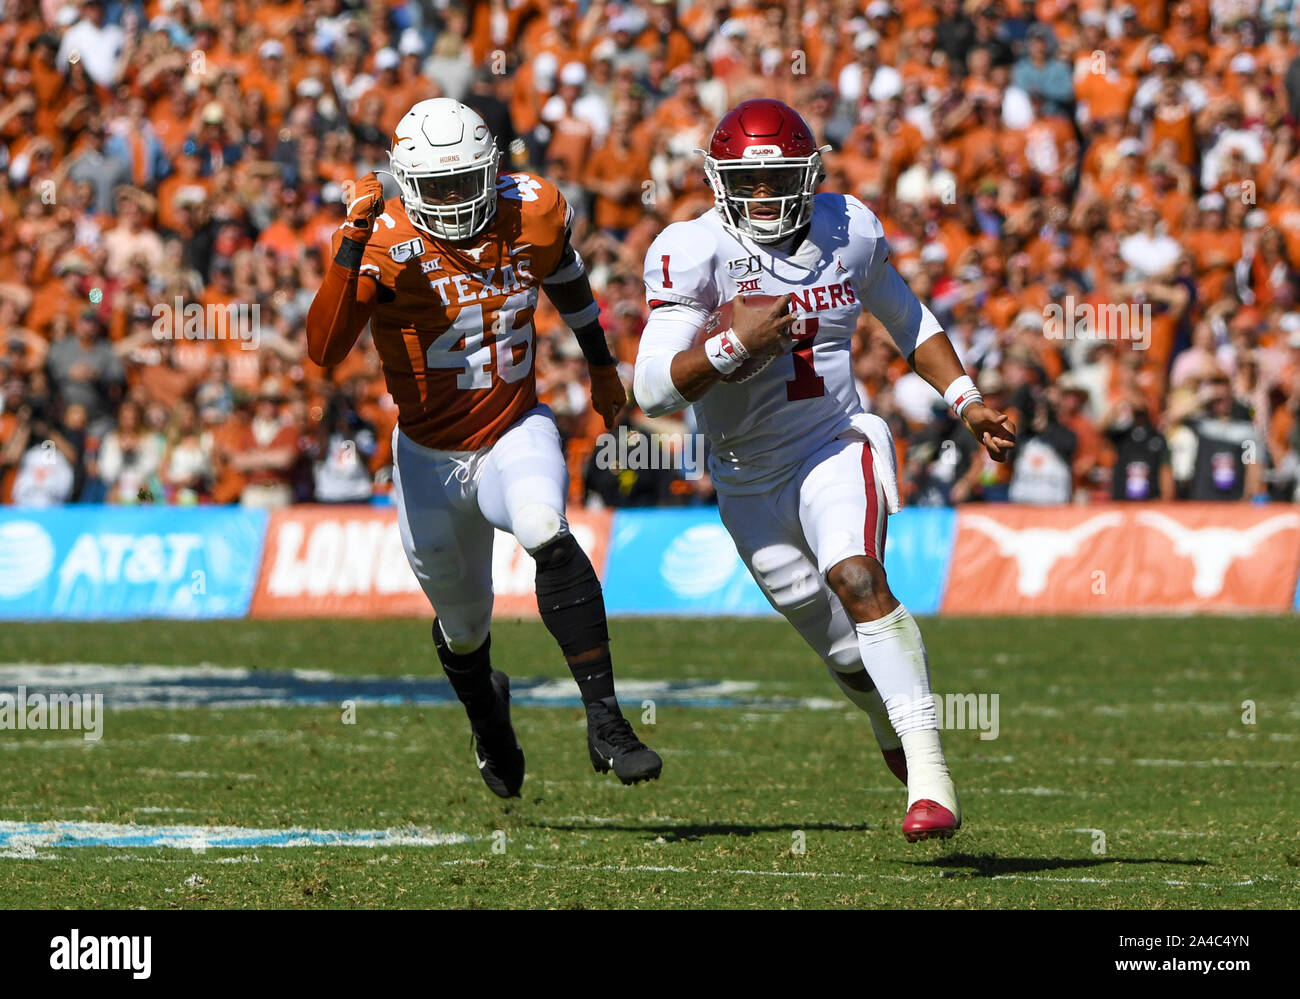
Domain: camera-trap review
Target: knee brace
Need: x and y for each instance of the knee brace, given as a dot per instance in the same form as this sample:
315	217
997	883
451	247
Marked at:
536	525
569	596
791	583
464	658
844	656
464	627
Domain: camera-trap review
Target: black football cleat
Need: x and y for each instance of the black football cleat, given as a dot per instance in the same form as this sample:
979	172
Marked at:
500	759
614	746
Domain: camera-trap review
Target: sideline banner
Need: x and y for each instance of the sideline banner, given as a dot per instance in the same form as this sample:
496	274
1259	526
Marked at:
683	561
347	561
97	562
1124	558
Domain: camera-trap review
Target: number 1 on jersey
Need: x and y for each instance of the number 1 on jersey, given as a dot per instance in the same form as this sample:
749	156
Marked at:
806	383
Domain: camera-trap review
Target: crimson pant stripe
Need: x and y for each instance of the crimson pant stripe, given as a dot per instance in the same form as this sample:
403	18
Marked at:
872	525
883	528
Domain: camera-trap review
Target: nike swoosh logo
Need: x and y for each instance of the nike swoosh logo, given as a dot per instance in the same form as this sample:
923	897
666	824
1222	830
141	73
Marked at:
482	764
611	761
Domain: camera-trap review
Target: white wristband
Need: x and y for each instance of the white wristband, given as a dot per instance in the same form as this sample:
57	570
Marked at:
725	352
961	394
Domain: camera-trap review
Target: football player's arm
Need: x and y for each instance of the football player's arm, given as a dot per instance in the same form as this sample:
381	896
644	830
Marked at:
342	306
569	290
666	382
670	373
930	353
672	370
344	303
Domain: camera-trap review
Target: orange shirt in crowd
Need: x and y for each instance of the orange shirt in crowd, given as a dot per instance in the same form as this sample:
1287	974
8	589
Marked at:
628	166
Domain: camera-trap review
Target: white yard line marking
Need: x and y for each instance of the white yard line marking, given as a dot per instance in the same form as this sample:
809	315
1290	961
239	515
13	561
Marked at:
837	875
1267	764
1189	833
1149	762
193	774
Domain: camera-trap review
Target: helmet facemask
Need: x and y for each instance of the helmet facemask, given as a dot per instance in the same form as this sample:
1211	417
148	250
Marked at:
456	203
786	186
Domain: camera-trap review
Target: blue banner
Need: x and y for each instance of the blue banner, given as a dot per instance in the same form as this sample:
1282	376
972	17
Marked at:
677	561
918	551
683	561
128	562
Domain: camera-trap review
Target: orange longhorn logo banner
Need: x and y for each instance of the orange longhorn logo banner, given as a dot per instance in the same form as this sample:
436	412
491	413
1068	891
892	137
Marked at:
1124	558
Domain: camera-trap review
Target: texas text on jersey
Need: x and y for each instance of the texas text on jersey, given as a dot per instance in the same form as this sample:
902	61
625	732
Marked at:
452	322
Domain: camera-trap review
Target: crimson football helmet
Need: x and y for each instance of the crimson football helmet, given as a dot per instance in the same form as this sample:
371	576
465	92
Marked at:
764	145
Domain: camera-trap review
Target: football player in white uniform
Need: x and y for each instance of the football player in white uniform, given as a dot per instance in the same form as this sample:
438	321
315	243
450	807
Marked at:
805	477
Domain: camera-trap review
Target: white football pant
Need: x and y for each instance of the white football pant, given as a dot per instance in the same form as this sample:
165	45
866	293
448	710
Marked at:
830	509
450	502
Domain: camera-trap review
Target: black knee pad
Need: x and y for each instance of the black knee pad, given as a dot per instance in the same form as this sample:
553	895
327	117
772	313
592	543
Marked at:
569	596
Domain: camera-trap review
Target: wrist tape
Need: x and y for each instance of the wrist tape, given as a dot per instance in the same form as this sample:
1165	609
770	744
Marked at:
961	394
725	352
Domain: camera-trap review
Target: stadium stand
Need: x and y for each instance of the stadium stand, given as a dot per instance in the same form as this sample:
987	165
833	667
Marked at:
1100	199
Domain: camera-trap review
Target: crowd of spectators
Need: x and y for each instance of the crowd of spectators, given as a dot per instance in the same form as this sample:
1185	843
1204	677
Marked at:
1134	162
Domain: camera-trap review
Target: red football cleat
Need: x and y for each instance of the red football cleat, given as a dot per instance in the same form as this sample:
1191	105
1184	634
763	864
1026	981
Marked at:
896	760
929	820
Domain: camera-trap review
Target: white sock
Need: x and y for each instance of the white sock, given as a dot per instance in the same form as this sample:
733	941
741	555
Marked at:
871	702
894	654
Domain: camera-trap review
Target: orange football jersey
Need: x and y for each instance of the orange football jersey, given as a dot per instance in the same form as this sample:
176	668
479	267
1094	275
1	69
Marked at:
453	321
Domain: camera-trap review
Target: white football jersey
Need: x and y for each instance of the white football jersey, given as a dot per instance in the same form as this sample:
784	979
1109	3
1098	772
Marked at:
761	429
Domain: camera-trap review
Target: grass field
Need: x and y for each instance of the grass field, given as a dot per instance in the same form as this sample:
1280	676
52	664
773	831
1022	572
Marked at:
1127	729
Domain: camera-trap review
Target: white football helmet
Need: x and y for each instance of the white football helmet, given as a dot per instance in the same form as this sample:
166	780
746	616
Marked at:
445	161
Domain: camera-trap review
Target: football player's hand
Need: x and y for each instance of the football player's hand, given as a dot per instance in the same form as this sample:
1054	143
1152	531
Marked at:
992	429
761	328
365	205
608	396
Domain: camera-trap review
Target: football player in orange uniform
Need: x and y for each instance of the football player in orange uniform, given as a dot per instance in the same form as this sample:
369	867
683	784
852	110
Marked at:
447	276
